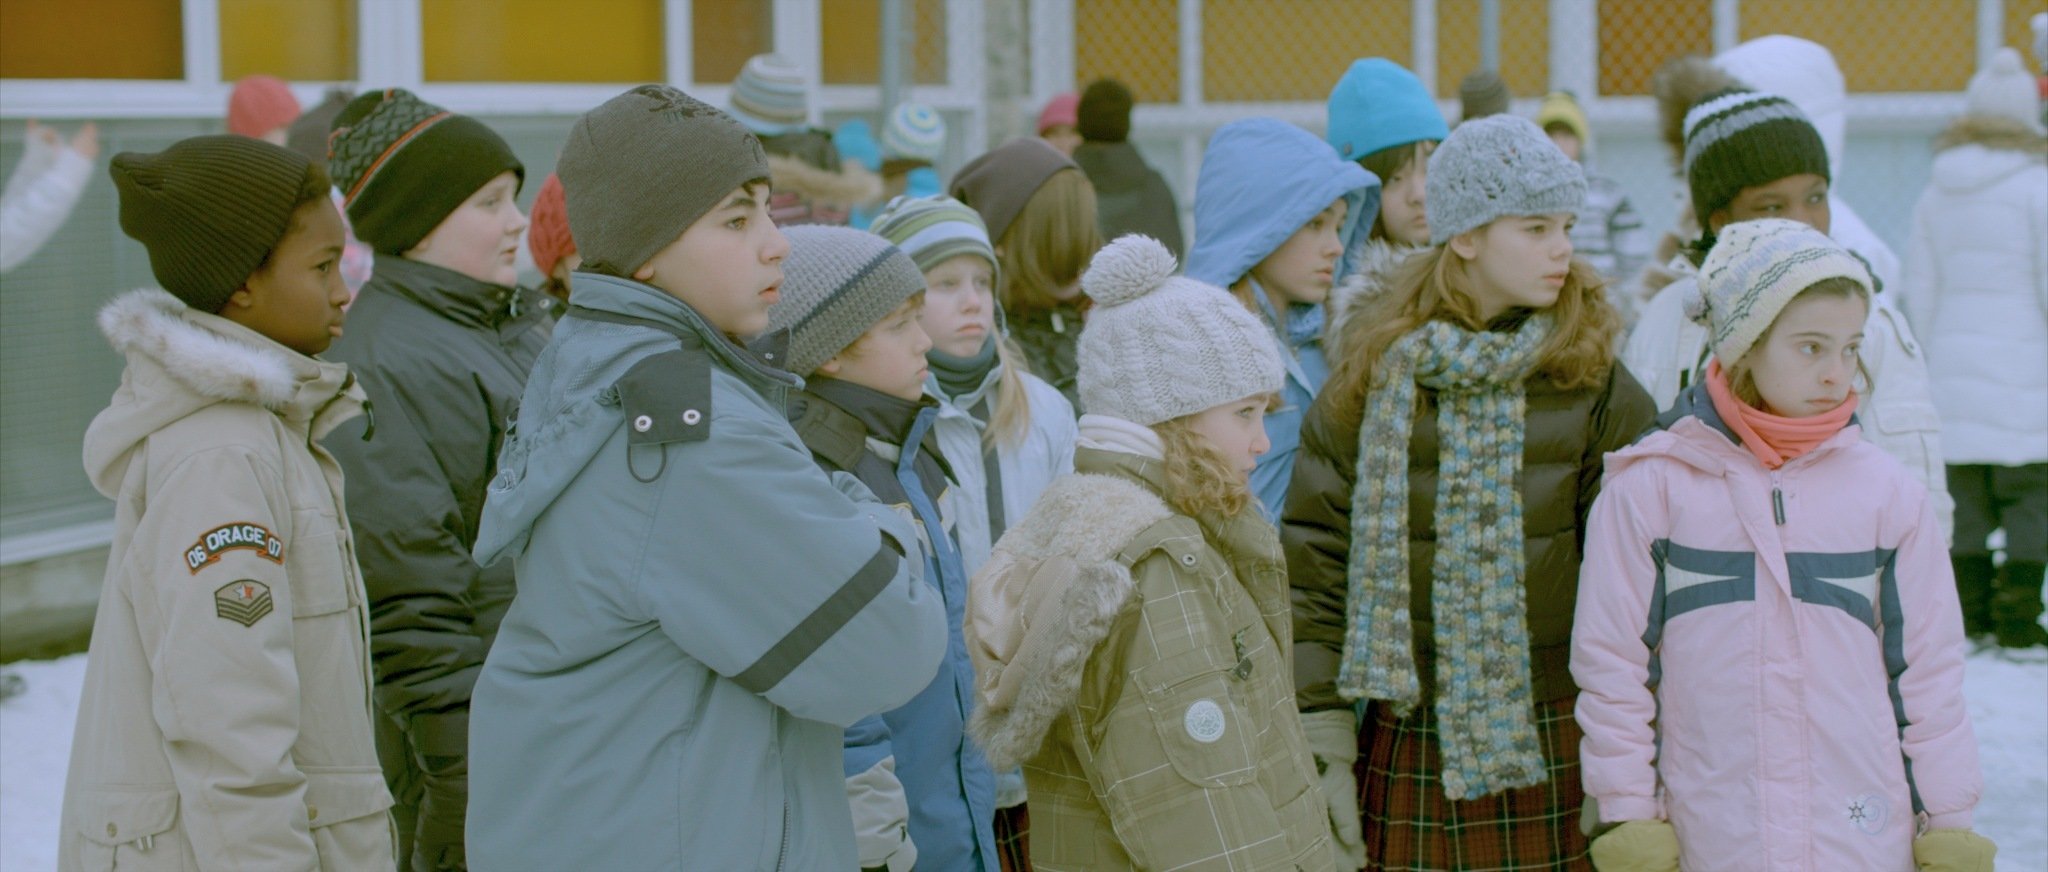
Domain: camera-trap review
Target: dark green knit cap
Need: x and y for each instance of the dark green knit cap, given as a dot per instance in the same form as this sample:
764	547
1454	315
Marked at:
209	209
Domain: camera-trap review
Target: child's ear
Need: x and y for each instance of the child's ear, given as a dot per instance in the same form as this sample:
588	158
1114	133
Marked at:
242	298
1466	244
830	367
645	273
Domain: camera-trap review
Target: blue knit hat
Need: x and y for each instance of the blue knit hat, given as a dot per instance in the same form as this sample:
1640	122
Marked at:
914	131
1379	104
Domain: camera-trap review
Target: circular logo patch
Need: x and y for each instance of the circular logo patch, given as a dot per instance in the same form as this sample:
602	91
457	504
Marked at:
1869	812
1204	721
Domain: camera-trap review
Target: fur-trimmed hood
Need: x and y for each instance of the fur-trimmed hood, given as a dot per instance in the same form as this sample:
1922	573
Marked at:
1978	152
852	185
1993	133
181	360
1378	260
1044	601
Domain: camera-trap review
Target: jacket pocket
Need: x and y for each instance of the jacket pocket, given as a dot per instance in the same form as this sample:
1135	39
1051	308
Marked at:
319	582
127	829
345	809
1198	712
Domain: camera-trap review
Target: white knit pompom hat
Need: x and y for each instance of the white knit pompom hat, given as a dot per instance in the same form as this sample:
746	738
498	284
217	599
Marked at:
1159	346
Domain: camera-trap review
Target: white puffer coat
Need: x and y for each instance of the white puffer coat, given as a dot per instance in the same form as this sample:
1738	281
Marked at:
1976	289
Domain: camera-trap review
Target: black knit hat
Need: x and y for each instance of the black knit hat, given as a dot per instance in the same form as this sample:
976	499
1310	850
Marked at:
209	209
1736	139
403	164
1105	112
642	167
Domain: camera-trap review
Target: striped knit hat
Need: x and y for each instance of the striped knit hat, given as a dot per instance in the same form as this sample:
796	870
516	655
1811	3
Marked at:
933	230
914	131
403	164
769	96
1738	139
836	283
209	209
1754	270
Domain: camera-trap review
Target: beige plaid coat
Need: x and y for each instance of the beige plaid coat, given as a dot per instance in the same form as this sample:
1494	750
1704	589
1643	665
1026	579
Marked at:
1135	662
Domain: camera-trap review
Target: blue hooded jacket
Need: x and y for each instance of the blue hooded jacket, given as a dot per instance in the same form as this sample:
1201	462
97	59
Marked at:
1261	180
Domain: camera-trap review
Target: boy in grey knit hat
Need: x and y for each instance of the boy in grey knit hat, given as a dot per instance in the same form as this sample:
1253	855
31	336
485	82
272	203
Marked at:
637	497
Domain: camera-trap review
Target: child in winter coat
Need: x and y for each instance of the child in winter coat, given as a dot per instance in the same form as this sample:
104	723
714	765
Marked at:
1279	218
1005	433
920	791
1609	234
1130	196
442	338
813	185
1381	116
1767	636
913	140
1433	524
1131	633
225	721
702	612
1752	155
1040	210
1977	289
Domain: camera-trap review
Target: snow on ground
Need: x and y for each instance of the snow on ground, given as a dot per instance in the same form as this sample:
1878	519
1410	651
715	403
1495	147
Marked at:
2008	705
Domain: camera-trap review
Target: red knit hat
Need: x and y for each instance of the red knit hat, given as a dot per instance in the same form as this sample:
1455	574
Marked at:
1061	111
547	227
260	104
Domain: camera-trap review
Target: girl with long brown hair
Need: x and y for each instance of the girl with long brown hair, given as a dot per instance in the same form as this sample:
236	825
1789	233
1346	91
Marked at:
1481	383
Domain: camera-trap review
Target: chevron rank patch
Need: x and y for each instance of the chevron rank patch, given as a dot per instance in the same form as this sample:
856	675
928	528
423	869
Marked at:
245	602
229	537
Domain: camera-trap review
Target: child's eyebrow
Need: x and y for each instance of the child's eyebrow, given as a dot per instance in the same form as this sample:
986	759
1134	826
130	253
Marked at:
739	201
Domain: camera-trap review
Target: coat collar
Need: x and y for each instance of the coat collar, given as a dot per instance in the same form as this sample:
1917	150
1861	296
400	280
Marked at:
218	359
453	295
617	296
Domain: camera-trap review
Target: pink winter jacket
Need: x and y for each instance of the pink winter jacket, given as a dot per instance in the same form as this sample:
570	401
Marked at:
1784	685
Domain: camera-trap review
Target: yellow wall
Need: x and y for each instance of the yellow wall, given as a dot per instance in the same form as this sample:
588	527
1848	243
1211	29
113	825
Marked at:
1133	41
1524	45
541	40
307	40
853	42
1881	45
724	33
1295	49
92	39
1639	36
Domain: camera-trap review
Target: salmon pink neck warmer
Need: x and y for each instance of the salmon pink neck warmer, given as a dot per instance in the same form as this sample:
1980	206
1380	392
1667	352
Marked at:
1773	439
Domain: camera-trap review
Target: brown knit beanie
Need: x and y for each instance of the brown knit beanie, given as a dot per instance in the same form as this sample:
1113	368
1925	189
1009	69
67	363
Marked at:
209	209
999	183
644	166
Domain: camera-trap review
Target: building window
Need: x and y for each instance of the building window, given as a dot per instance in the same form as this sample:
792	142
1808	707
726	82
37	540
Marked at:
853	42
724	33
541	41
1241	39
300	40
1524	45
1136	42
92	39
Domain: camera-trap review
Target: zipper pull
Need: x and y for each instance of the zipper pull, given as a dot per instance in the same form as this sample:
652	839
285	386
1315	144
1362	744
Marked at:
1778	504
1059	324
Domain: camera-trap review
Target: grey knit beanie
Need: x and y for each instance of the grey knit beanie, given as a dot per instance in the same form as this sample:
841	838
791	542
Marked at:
1158	346
1494	167
836	283
641	168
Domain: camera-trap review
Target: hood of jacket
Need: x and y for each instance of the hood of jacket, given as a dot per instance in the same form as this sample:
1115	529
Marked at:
1802	71
1378	260
181	360
572	404
1977	152
849	185
1056	586
1261	180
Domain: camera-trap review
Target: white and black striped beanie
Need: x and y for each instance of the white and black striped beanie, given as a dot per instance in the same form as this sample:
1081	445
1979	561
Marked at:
1738	138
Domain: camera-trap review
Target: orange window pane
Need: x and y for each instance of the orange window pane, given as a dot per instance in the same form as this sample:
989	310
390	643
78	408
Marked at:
541	41
853	41
303	40
1524	45
1136	42
724	33
1881	45
1639	36
1295	49
92	39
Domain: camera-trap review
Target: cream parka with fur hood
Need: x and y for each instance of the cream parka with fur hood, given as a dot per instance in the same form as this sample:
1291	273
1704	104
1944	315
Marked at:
225	721
1136	662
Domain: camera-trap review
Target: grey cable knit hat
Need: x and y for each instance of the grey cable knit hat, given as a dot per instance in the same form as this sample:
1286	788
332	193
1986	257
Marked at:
836	283
1497	166
1158	346
642	167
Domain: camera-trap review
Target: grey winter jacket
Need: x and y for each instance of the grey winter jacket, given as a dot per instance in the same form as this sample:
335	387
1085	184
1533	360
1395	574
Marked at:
702	611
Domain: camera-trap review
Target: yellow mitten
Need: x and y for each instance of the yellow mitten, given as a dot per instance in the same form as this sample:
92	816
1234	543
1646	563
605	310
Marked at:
1953	851
1637	846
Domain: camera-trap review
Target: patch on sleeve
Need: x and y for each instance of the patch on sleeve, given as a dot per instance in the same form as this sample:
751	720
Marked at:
229	537
245	602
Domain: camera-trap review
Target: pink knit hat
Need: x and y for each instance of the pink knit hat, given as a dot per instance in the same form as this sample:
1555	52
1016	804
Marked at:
1061	111
260	104
547	227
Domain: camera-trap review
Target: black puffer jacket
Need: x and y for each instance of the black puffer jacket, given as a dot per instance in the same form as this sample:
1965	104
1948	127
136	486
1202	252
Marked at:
1566	437
443	358
1130	196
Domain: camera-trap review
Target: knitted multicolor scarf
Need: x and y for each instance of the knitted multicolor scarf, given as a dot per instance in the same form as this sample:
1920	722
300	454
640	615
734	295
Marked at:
1483	702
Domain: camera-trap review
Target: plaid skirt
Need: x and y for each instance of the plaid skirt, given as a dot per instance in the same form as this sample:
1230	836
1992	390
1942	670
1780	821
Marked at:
1013	838
1411	825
